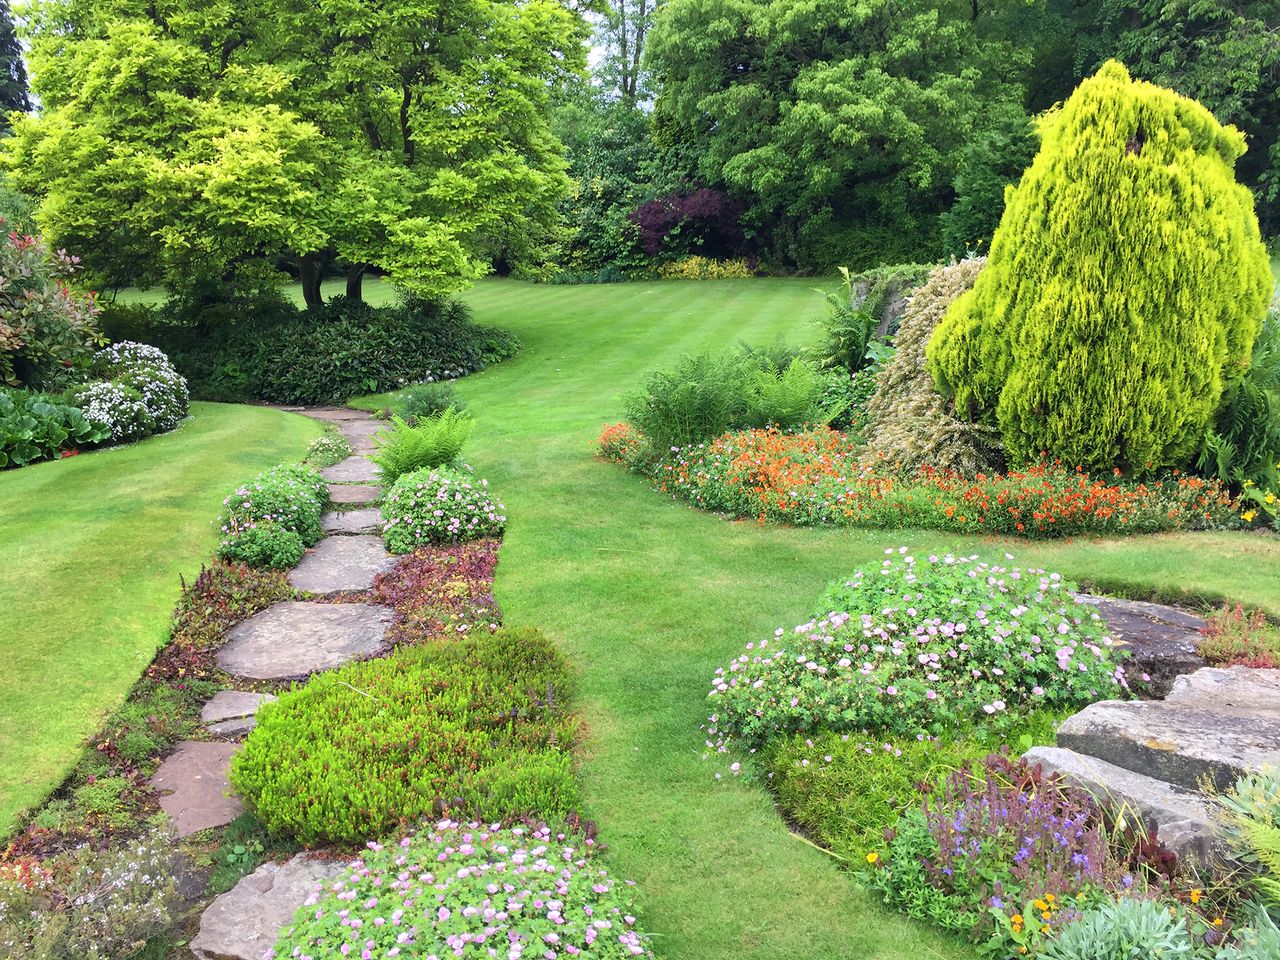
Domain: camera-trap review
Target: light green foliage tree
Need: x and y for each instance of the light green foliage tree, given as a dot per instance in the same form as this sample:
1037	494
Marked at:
1124	289
187	138
841	122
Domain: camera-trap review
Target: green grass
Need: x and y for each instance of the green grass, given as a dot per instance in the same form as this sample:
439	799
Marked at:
93	548
648	597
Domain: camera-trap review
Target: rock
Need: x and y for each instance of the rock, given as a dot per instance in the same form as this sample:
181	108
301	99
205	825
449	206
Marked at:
297	638
1242	688
341	563
351	470
232	705
1180	818
232	728
1162	641
358	494
245	922
345	522
334	414
193	786
364	430
1184	742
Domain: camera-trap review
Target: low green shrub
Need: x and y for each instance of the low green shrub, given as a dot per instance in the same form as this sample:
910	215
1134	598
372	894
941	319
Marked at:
34	427
1115	929
267	546
327	449
263	348
422	400
534	892
430	442
706	268
443	505
477	727
290	497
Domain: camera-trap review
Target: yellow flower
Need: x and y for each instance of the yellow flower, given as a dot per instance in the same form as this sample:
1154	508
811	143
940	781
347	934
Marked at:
1269	498
1016	918
1196	894
872	857
1040	905
1047	915
1217	921
1248	515
1049	897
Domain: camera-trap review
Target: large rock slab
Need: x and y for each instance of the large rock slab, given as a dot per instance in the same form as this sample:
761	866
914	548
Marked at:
231	712
296	638
1162	641
351	470
354	494
194	786
334	414
341	563
1241	688
1184	742
245	922
360	429
348	522
1182	819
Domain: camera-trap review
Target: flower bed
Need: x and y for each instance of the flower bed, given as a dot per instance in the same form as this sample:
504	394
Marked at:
270	520
442	505
471	890
438	591
814	477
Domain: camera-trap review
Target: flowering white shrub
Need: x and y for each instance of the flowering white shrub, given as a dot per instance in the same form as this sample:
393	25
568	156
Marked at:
139	393
117	408
921	648
470	890
440	505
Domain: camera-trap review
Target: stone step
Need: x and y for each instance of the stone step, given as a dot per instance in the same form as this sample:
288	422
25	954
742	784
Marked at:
351	470
1162	641
194	786
1184	742
333	414
296	638
349	522
245	922
336	564
231	713
355	494
1241	688
360	429
1182	819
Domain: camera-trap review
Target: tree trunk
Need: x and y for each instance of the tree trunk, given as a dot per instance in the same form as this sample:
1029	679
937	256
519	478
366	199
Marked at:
355	281
309	276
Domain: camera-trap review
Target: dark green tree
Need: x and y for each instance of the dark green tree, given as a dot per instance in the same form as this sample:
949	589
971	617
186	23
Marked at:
14	93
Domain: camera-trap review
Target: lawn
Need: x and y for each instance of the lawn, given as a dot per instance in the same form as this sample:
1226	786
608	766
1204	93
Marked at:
93	549
648	597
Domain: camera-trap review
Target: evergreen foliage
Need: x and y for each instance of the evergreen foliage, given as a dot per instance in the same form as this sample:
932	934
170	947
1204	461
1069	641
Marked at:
14	94
430	442
1125	287
910	423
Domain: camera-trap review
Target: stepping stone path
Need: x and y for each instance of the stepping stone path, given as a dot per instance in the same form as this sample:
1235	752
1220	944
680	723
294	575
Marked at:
347	522
354	494
296	638
341	563
193	786
351	470
1153	756
1162	641
231	712
244	923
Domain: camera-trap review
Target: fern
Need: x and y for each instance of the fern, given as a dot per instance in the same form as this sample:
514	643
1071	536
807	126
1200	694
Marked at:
1244	442
788	398
429	443
1251	809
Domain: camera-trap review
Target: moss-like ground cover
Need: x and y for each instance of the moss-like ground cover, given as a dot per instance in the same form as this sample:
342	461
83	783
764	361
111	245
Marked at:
648	596
92	550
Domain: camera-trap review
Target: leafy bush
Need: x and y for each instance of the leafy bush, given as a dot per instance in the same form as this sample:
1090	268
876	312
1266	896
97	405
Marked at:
680	222
477	726
265	545
1251	813
989	163
271	350
863	308
47	331
439	506
1234	637
557	900
327	449
1115	929
424	400
35	427
289	498
849	395
787	397
909	423
706	268
92	905
1243	446
430	442
142	368
1106	334
117	409
930	647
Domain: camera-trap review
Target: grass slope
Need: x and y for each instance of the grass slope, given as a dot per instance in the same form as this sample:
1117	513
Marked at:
93	547
648	597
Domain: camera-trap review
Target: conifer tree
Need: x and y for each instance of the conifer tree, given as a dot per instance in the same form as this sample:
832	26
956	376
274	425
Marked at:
1124	287
14	94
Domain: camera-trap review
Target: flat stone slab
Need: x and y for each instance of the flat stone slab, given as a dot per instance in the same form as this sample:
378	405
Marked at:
357	494
245	922
193	786
1184	742
335	414
341	563
347	522
1241	688
351	470
1180	818
364	429
297	638
1163	642
231	712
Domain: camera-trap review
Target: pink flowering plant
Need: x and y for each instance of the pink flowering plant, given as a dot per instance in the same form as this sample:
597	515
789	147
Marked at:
439	505
921	647
470	891
288	497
